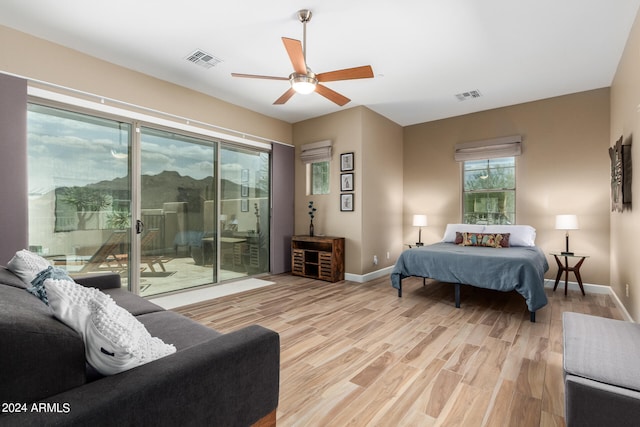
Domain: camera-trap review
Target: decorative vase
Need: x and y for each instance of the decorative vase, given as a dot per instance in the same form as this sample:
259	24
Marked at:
311	229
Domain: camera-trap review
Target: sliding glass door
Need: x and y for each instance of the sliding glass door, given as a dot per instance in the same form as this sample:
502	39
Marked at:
167	210
79	190
178	247
244	211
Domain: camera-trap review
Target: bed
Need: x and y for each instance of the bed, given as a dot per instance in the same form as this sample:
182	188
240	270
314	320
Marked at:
516	267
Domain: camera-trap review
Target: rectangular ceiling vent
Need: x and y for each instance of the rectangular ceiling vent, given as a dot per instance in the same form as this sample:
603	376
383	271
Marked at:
203	59
468	95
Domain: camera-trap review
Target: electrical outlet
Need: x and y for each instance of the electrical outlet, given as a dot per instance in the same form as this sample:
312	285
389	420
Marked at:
627	290
388	255
375	260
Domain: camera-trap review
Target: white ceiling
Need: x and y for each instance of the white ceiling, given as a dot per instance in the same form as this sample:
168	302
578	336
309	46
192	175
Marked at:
423	52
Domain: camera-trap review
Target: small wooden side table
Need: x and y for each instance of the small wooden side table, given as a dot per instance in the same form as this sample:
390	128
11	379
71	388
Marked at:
564	268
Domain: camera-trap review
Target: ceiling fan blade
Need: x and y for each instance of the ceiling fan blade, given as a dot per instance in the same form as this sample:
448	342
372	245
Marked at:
332	95
296	55
364	72
254	76
285	97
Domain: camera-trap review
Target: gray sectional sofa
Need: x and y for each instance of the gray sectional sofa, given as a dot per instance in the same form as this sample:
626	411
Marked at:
601	371
213	379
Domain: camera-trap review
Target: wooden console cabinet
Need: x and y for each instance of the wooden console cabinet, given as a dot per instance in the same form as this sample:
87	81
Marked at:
319	257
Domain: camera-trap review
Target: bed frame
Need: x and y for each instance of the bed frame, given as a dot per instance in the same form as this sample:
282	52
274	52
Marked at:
532	314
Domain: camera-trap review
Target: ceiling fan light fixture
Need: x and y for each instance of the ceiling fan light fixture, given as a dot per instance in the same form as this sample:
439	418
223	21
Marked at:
303	84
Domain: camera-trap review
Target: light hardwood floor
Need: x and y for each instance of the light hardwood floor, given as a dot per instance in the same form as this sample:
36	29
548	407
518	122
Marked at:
356	354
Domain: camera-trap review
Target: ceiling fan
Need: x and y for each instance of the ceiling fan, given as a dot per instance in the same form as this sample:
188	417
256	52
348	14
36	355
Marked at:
305	81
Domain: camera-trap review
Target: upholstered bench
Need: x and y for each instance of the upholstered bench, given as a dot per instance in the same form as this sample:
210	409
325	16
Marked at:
601	371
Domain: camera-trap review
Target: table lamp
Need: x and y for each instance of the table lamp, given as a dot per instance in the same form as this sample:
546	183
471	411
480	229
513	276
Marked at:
419	221
566	222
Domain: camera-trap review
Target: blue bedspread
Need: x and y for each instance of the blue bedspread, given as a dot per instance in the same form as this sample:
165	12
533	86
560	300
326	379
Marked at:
505	269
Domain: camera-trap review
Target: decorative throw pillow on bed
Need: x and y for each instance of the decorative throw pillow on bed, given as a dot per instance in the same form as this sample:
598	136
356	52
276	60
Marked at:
483	239
114	339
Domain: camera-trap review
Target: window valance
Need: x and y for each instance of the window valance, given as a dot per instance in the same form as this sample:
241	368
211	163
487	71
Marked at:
316	152
507	146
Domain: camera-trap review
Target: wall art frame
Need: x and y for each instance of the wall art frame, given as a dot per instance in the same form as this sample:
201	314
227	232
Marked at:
621	175
346	162
346	181
346	202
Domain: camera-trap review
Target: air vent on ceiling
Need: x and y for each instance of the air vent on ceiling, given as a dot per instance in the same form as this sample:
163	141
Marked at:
203	59
468	95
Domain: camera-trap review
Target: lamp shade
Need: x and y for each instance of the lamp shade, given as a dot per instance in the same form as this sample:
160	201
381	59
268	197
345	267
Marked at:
566	222
419	220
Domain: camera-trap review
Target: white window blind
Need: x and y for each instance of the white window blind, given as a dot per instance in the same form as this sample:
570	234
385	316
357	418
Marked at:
316	152
507	146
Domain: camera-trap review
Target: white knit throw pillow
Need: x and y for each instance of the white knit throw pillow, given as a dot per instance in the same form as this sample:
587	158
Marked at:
26	265
114	339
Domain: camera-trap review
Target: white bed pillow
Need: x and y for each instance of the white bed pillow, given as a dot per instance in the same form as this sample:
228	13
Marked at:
450	231
520	235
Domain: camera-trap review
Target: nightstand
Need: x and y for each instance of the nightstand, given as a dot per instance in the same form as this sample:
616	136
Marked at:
564	268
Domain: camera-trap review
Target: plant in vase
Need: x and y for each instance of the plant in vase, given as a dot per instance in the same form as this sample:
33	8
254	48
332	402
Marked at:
312	211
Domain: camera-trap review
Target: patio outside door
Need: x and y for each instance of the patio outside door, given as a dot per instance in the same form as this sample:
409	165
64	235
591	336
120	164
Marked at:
178	201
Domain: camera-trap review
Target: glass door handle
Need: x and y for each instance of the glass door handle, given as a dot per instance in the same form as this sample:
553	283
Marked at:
139	226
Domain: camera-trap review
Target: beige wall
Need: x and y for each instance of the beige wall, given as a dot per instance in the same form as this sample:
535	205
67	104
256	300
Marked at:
374	227
37	59
564	168
625	121
382	189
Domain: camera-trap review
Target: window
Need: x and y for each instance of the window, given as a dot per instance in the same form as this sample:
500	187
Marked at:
316	156
489	193
318	174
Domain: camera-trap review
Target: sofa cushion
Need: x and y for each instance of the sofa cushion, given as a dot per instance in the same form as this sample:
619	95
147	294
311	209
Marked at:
8	278
40	356
601	349
131	302
178	330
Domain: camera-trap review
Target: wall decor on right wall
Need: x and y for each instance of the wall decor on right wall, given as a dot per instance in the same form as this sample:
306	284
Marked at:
346	182
346	162
621	175
346	202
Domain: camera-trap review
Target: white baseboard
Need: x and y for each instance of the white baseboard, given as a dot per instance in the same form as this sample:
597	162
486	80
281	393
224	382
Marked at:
621	307
593	289
362	278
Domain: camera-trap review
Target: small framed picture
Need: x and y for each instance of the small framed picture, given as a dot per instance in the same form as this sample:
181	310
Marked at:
346	202
346	162
244	205
244	189
245	175
346	182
